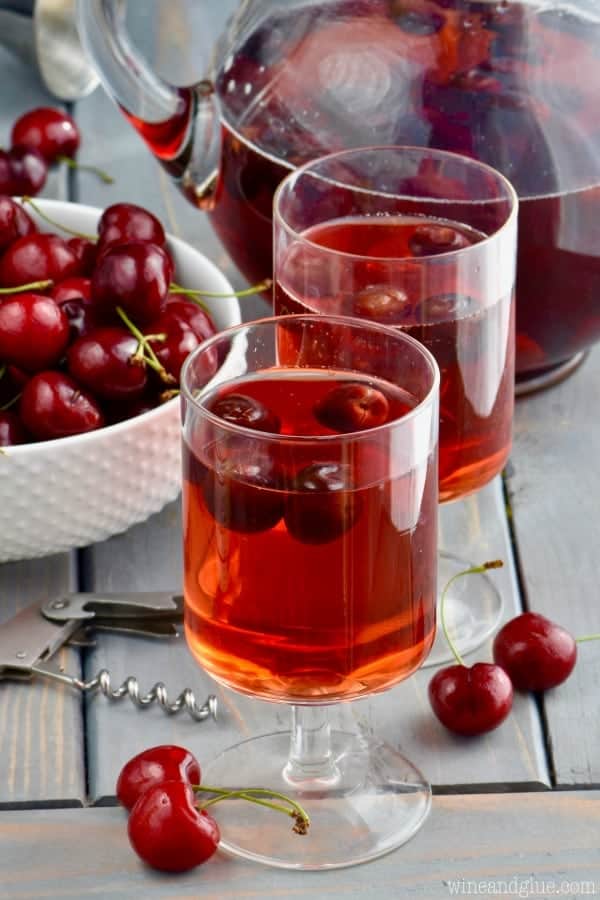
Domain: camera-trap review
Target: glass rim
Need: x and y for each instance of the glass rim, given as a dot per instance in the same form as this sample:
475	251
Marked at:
397	333
296	173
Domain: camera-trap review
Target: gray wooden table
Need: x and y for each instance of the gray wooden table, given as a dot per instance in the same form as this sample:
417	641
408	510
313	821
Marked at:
519	806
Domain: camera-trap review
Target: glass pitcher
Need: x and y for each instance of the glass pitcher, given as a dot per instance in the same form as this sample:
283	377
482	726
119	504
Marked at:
511	82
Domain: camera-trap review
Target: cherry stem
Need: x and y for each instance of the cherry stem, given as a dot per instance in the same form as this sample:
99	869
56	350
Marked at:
55	224
247	292
151	359
587	637
73	164
253	795
168	395
32	286
10	402
472	570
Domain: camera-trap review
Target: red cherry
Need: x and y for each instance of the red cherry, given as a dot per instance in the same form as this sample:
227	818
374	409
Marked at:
537	653
34	331
11	429
134	276
322	504
102	362
55	406
37	257
50	131
29	170
185	326
444	308
75	288
382	304
429	240
242	496
73	297
471	700
126	222
189	314
239	409
86	252
173	351
167	762
14	222
352	407
168	832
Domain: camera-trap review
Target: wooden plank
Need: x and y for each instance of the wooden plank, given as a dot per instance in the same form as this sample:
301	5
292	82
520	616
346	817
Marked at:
524	845
554	487
41	728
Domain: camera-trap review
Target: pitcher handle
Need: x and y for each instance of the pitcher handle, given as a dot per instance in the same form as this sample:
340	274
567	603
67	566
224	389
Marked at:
181	126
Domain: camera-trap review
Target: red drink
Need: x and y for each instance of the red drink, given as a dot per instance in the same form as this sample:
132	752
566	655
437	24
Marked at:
495	81
492	80
468	331
310	568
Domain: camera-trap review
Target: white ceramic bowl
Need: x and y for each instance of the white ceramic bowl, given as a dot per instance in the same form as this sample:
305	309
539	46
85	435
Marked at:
57	495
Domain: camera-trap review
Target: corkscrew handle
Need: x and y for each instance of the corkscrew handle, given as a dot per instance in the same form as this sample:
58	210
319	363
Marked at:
130	688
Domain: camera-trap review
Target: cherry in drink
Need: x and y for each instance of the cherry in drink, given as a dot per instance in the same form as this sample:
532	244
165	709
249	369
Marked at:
310	543
468	332
310	549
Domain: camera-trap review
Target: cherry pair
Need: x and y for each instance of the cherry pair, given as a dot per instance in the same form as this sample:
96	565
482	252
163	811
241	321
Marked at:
530	652
167	828
39	138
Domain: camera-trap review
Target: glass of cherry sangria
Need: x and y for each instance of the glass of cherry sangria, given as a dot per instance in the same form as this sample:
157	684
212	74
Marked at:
424	241
310	543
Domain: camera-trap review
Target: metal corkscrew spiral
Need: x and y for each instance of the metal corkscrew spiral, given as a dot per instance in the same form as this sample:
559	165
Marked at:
130	688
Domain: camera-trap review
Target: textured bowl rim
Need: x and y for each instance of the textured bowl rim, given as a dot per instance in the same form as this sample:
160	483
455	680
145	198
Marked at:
107	430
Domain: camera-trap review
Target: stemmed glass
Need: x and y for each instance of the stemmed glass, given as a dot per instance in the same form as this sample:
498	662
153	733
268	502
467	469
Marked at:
310	540
424	241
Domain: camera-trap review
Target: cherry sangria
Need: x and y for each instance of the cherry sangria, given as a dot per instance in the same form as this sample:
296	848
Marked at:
423	241
310	544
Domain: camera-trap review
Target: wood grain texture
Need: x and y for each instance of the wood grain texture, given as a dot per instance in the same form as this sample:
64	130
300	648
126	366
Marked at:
41	727
554	487
546	844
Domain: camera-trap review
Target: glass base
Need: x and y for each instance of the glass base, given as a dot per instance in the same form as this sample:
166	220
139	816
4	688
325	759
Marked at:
373	801
472	608
540	379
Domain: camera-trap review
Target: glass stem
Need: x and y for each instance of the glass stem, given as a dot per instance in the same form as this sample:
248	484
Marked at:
311	761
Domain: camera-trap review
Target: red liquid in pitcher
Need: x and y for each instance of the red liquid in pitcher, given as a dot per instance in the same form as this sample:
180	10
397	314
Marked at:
469	335
310	572
512	84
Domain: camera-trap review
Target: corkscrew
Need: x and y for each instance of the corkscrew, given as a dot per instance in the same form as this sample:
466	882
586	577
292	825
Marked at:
30	639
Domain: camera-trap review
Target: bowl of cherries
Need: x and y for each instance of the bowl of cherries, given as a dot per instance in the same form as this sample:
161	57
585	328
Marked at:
98	310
